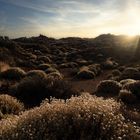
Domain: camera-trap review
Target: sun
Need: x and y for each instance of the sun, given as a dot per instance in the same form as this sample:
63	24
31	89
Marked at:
132	26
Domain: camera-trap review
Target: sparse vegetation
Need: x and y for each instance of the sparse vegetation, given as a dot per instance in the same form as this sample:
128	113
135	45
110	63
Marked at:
127	97
85	73
107	87
9	105
14	73
130	73
52	78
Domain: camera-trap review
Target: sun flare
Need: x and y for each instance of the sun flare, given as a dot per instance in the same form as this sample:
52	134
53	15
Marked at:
132	26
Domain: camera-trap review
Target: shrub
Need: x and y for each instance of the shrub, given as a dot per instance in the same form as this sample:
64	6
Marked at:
127	97
55	75
85	73
80	118
32	90
108	87
9	105
14	73
116	73
127	81
62	90
50	70
45	59
44	66
134	87
130	73
95	68
109	64
39	73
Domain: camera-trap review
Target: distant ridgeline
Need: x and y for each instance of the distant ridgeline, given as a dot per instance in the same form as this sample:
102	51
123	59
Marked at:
20	50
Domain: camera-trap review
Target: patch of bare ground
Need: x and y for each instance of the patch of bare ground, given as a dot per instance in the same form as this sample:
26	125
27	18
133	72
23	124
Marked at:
84	85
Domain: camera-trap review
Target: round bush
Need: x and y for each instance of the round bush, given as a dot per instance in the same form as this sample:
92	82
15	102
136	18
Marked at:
32	90
130	73
108	87
14	73
50	70
44	66
39	73
85	73
55	75
127	97
127	81
61	89
80	118
116	73
134	87
9	105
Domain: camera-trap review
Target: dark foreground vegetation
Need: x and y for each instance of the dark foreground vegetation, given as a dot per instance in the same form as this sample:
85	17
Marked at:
70	88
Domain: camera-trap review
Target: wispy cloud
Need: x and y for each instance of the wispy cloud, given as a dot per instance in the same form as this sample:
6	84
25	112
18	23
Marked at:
70	17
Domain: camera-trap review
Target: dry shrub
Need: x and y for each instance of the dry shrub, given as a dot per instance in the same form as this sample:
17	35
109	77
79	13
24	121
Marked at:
96	68
39	73
55	75
13	73
9	105
108	87
32	90
130	73
127	97
127	81
44	66
85	73
50	70
116	73
110	64
134	87
80	118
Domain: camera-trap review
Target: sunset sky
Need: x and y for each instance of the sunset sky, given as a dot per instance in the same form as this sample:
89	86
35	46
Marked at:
63	18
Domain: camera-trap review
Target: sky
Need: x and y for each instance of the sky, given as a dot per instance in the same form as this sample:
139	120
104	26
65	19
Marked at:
69	18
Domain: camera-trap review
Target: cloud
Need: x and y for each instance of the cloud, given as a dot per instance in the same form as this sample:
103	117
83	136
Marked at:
69	17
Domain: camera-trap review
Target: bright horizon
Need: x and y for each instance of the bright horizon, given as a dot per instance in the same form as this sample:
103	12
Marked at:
69	18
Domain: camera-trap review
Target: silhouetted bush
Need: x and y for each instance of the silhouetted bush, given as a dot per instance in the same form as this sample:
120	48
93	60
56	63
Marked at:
33	89
127	97
50	70
80	118
44	66
130	73
9	105
45	59
14	73
55	75
39	73
109	64
62	90
134	87
108	87
116	73
127	81
96	68
85	73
